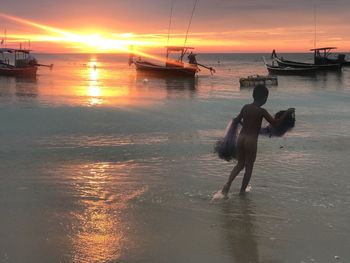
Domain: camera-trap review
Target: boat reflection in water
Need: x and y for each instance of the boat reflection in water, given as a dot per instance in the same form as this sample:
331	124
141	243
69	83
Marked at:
175	86
23	88
95	83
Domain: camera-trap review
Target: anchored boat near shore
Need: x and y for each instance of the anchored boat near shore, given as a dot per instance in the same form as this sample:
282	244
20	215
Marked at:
322	61
277	70
172	67
18	62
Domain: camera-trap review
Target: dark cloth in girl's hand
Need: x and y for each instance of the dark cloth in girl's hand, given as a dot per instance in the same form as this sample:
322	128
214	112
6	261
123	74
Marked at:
226	146
280	129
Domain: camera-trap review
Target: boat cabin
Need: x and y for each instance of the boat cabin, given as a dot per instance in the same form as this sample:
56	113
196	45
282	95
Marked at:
322	56
176	61
18	58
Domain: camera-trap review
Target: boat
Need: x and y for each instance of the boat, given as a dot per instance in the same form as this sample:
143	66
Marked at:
172	67
322	56
22	64
294	64
254	80
277	70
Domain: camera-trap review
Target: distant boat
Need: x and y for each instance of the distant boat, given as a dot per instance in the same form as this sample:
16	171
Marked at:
23	64
171	67
277	70
294	64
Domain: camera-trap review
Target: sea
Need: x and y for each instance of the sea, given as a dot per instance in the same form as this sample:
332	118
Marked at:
99	163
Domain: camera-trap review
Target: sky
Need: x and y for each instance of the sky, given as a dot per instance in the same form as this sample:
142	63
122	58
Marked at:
217	25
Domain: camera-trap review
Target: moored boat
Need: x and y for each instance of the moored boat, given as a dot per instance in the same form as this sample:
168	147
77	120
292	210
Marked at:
22	64
294	64
322	56
288	63
162	70
277	70
171	67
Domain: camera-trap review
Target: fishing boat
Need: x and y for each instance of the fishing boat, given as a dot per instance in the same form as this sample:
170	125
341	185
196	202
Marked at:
319	65
18	62
322	56
277	70
172	67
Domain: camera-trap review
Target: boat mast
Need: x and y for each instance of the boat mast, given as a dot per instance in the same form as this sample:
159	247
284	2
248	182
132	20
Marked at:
315	29
171	15
189	24
5	40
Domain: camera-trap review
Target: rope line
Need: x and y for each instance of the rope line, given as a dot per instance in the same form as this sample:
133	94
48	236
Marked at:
189	24
171	15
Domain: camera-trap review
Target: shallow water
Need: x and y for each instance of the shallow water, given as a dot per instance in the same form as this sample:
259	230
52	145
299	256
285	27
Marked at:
100	164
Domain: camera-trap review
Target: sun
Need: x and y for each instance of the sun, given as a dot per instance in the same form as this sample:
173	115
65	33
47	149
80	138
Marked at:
84	42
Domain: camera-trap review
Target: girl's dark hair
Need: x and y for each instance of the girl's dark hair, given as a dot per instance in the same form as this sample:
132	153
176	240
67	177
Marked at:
260	92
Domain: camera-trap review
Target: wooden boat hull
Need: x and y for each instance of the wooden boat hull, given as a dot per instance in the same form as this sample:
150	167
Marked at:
252	81
274	70
294	64
158	70
17	71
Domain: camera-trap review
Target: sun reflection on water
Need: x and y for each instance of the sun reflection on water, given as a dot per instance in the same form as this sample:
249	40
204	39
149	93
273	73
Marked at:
97	81
99	232
94	89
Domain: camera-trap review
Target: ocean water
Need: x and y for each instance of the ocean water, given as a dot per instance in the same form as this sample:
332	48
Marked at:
101	164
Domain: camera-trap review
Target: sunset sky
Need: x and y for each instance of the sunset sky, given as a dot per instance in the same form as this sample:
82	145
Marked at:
217	25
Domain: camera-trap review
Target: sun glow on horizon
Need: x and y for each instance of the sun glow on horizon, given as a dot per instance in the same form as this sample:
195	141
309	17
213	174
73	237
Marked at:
89	42
98	40
104	42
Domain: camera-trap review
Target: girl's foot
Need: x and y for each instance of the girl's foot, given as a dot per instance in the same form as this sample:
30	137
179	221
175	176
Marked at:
225	189
219	196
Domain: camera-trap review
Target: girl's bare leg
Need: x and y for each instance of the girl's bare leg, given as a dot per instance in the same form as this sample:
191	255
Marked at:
239	166
250	156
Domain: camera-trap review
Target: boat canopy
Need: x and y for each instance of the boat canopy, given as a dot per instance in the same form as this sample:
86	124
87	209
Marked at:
177	48
326	51
322	48
14	50
180	49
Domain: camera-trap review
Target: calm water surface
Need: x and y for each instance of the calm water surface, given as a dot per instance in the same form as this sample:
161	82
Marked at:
100	164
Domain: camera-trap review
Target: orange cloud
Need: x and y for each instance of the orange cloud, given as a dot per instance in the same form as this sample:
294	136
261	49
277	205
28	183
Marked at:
298	38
